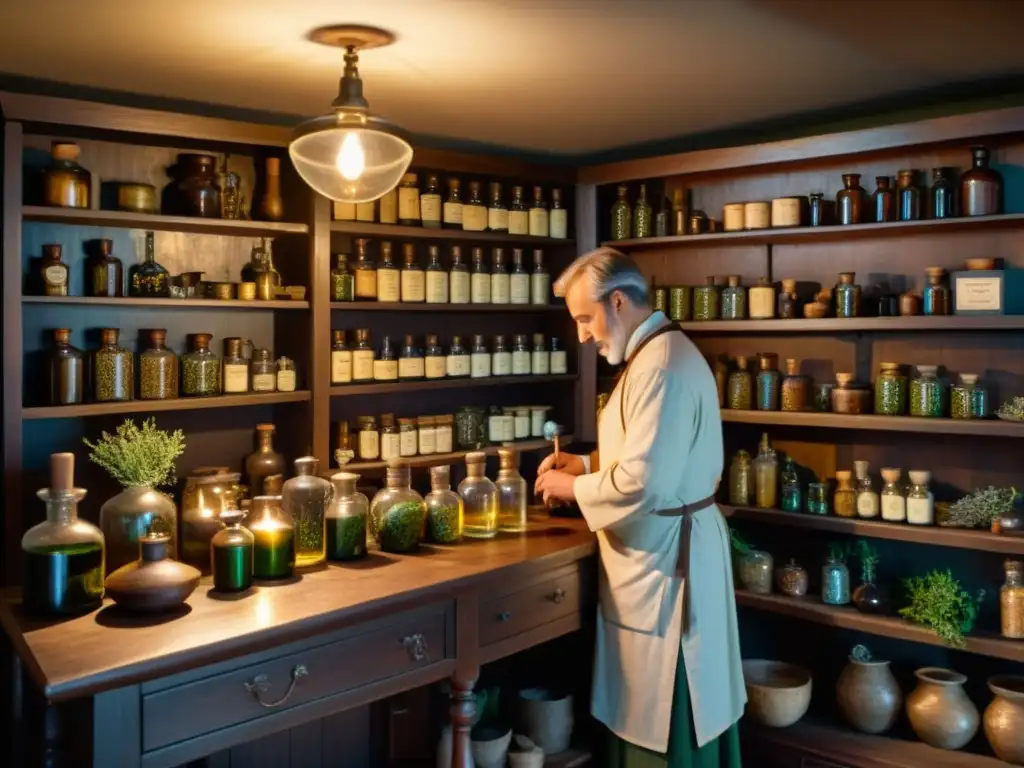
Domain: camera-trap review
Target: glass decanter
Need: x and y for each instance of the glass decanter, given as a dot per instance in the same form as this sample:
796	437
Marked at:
200	368
148	278
264	467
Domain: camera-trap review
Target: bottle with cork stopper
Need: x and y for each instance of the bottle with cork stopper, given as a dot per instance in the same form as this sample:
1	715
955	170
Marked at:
512	493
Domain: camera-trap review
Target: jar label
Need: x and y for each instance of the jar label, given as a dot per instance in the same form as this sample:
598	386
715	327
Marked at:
453	213
457	365
364	211
55	275
460	287
428	440
480	365
264	382
344	211
520	363
538	222
481	291
409	203
407	442
867	505
435	367
413	285
410	368
437	288
443	439
518	223
520	289
893	508
920	511
540	287
497	219
978	294
236	378
388	285
558	223
341	366
496	428
430	208
366	283
388	205
369	445
362	365
500	288
474	218
385	370
390	446
540	363
286	381
501	364
559	362
522	427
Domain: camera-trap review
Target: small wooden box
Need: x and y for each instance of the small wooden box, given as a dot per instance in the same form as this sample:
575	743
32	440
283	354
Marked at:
988	292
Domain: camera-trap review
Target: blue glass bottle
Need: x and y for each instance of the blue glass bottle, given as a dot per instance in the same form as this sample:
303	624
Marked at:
768	382
835	582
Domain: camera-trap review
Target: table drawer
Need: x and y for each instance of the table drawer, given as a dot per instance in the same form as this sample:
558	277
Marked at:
552	596
275	685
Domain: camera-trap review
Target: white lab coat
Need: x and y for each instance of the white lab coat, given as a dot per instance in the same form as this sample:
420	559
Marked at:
670	454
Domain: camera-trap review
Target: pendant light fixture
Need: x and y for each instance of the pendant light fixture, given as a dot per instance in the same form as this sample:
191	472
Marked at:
350	155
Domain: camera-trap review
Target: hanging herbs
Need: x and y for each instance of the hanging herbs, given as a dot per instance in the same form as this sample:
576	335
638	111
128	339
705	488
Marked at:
939	602
136	457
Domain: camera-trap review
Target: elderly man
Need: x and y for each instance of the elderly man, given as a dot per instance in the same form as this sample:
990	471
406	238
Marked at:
668	681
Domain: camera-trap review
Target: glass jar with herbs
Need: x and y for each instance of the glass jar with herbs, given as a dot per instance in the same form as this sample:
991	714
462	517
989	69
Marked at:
385	364
891	391
346	519
795	387
867	498
734	299
936	293
343	282
411	365
200	368
480	498
470	428
755	572
740	387
847	296
234	368
679	303
844	502
835	578
962	396
792	494
741	480
397	512
148	278
643	215
444	508
501	286
768	383
66	370
706	300
927	393
263	370
113	369
480	279
1011	601
766	476
286	380
443	433
390	438
818	499
158	368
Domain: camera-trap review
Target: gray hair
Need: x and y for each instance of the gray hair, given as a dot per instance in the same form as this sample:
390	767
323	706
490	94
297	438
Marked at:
609	271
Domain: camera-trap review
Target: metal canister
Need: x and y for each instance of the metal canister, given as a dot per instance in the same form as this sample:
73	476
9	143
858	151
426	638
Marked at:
679	303
137	198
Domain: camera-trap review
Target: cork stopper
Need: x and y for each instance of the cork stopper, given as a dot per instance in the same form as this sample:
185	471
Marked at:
792	366
733	281
385	250
362	336
763	282
968	379
62	335
233	347
410	178
456	253
453	182
307	465
890	367
478	340
52	252
891	474
846	278
498	257
269	428
409	253
62	471
434	253
920	476
441	477
344	483
768	361
860	468
432	340
475	463
200	340
109	335
538	340
478	254
843	475
456	341
362	243
789	286
64	151
538	192
508	458
844	379
741	363
935	273
426	421
398	473
709	280
927	370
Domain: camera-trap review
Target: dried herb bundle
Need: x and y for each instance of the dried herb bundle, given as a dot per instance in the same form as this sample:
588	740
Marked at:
138	457
979	508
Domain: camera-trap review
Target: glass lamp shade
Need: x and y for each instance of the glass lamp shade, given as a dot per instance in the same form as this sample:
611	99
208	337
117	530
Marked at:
350	155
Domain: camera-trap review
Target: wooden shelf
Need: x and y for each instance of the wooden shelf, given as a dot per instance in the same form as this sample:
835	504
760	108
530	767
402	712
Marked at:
83	217
795	235
463	382
935	535
154	302
398	306
400	232
811	608
178	404
437	459
985	427
879	324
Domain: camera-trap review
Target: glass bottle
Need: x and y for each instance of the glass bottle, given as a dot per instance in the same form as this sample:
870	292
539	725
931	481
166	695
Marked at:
740	387
518	215
558	217
285	374
480	499
706	299
341	359
795	388
891	391
66	184
850	200
540	360
479	358
512	493
927	393
540	280
884	199
459	278
734	299
443	433
435	363
66	369
766	475
273	534
436	278
158	369
268	279
521	356
474	212
413	278
1011	601
942	196
305	498
385	365
389	279
936	293
263	370
741	480
643	222
53	272
762	300
397	512
234	368
679	212
444	508
63	556
792	496
480	281
835	582
368	438
662	217
787	303
847	295
818	213
409	201
430	204
366	272
500	284
148	278
909	195
867	497
264	467
538	214
845	500
410	362
343	283
362	356
981	187
426	432
501	358
920	501
621	217
497	213
231	554
113	369
519	280
408	439
768	383
559	358
818	499
894	506
105	271
458	361
453	205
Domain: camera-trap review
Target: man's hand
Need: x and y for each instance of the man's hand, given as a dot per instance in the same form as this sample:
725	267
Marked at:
556	484
569	463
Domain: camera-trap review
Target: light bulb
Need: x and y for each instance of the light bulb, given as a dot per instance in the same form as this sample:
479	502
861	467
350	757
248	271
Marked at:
351	159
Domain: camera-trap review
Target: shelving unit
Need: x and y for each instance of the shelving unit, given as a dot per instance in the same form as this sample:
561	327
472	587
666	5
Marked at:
439	459
350	390
157	406
158	221
400	232
861	324
929	426
128	302
498	309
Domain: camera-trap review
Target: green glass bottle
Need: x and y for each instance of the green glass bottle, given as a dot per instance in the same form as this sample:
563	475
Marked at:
343	282
621	216
643	215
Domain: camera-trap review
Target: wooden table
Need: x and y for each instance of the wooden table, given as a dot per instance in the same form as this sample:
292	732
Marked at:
224	671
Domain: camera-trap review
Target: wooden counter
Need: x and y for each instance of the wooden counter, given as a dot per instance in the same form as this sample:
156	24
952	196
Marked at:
223	671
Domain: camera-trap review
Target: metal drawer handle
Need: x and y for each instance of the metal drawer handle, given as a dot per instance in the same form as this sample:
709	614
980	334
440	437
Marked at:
504	616
558	596
416	646
259	685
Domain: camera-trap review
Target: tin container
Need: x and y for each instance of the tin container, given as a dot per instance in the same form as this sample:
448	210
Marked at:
222	291
756	215
247	291
733	217
137	198
787	211
849	396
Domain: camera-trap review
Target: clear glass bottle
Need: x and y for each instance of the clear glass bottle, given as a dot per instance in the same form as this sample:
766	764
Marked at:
149	278
397	512
273	534
453	205
844	502
426	432
234	368
480	499
740	387
734	299
558	217
63	556
264	467
385	365
106	276
762	300
1011	601
158	369
521	356
908	195
512	493
66	184
413	278
518	215
444	508
268	279
389	279
67	371
884	200
540	280
942	195
480	281
497	213
474	212
795	387
305	498
519	280
920	501
113	369
936	293
53	272
409	201
969	400
346	519
768	382
540	361
435	363
867	497
341	359
457	363
390	438
411	363
343	282
643	215
559	358
927	393
894	505
766	475
263	370
741	480
459	282
479	358
847	296
787	301
430	204
362	356
231	554
368	438
501	358
408	439
366	272
621	216
501	286
286	379
835	581
436	278
792	495
706	300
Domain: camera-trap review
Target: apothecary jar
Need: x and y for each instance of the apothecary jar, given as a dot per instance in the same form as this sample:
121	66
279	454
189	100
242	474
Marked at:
397	512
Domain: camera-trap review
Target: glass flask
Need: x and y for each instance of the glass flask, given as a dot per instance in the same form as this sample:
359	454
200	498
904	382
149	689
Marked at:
908	195
231	554
200	368
894	505
981	187
66	369
740	387
346	519
920	501
63	555
512	493
847	295
113	369
818	499
209	492
148	278
264	467
444	508
884	199
397	512
273	555
850	200
105	271
936	293
480	499
942	196
343	282
706	299
305	498
158	369
835	582
927	393
1011	601
795	395
741	481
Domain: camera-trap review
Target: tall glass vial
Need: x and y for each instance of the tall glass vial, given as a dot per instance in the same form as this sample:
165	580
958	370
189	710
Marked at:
909	195
497	213
430	204
538	214
411	363
385	364
981	187
479	358
740	387
795	388
501	358
500	280
231	554
341	359
305	498
106	275
435	362
67	371
480	281
459	292
397	512
741	480
787	300
847	296
819	501
512	493
519	280
558	217
768	383
113	369
792	495
521	357
368	438
518	215
409	201
643	215
444	508
234	368
942	196
436	278
621	217
884	200
285	374
1011	601
474	212
867	497
766	475
920	501
388	275
559	358
343	282
734	299
413	278
453	205
706	300
835	582
458	361
936	293
264	467
263	371
540	361
366	272
480	499
148	278
362	356
894	505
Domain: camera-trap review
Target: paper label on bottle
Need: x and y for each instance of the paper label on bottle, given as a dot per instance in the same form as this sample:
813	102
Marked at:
559	362
537	419
385	370
893	508
341	366
409	203
540	287
362	365
558	223
520	363
457	365
496	428
344	211
540	363
388	285
390	446
977	294
264	382
501	288
920	511
443	439
407	442
55	275
413	285
518	223
474	218
497	219
522	427
460	287
236	378
411	367
369	445
286	381
366	283
435	367
437	288
501	364
867	505
428	440
538	222
519	289
481	288
365	211
480	365
430	208
388	205
453	213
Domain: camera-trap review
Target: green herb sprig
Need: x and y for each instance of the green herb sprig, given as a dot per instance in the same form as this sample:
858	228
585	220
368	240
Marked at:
1012	409
980	507
939	602
868	555
138	457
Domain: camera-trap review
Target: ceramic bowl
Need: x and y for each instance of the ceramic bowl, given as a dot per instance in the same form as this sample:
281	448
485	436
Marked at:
980	264
778	694
490	747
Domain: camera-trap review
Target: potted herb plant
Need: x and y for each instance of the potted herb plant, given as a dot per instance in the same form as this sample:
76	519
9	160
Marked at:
869	597
939	602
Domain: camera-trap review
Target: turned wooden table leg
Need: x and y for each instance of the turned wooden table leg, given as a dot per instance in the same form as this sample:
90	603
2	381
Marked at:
462	713
467	670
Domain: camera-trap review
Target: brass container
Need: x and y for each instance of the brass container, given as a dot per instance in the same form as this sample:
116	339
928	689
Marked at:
1004	718
266	287
939	710
137	198
849	396
154	583
698	223
910	304
247	291
66	184
222	291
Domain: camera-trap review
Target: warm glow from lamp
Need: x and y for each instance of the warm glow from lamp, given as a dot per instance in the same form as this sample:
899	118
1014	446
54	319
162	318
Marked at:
351	158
